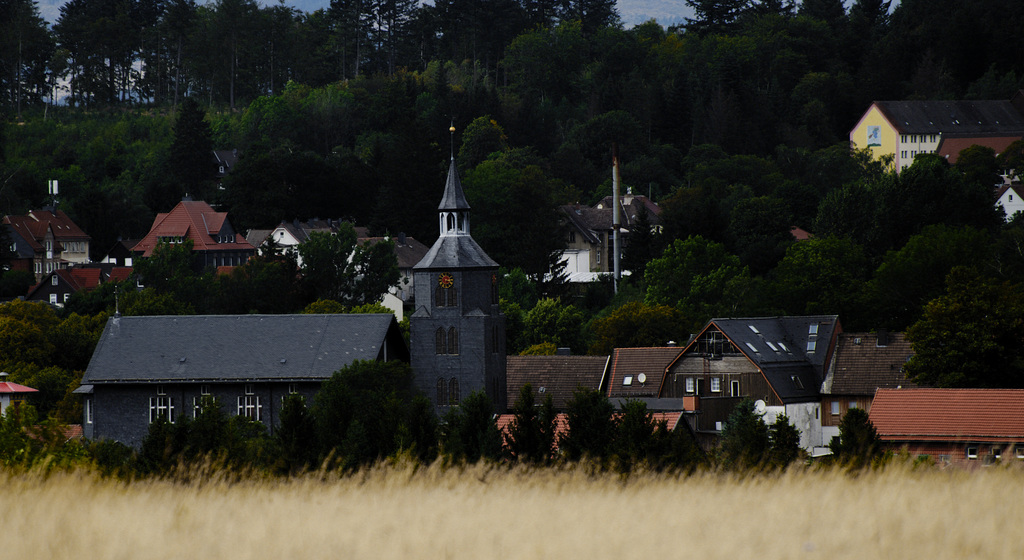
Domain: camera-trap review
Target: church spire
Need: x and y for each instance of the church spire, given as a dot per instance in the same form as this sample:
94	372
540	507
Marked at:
454	209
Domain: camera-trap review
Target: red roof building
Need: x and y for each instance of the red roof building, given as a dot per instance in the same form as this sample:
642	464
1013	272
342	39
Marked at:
961	427
212	236
46	240
12	393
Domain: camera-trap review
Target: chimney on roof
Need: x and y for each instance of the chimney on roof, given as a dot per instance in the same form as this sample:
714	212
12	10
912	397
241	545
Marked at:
883	337
186	198
563	351
401	238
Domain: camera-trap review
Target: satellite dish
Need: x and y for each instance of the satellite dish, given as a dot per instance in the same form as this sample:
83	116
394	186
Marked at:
760	407
641	378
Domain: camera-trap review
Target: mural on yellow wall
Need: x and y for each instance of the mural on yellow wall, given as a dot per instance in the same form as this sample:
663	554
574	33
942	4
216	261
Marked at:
874	136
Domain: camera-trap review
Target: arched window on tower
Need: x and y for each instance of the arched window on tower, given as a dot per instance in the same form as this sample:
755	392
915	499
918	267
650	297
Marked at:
451	222
439	297
453	392
442	392
494	289
440	346
453	296
453	341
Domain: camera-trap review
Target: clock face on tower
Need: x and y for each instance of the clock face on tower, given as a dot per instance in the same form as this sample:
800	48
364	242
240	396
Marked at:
445	280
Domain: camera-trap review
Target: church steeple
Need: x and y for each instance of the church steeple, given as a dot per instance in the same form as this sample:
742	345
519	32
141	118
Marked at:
457	333
454	209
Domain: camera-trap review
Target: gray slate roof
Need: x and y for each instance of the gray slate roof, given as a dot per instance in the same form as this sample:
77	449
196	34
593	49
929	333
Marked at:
794	373
239	347
454	198
953	117
456	251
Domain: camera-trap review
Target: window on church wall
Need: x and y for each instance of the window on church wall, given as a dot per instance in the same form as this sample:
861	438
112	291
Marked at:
442	392
440	345
494	289
439	296
452	296
453	341
453	392
450	226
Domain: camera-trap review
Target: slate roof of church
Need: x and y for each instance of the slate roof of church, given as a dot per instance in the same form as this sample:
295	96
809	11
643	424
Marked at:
455	251
239	347
454	198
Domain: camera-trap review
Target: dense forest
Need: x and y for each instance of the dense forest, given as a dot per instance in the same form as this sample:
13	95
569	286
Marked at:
735	123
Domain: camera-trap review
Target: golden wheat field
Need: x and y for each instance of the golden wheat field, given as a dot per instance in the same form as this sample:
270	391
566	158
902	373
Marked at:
480	513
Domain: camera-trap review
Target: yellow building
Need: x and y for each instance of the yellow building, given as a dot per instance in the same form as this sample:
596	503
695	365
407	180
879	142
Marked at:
905	129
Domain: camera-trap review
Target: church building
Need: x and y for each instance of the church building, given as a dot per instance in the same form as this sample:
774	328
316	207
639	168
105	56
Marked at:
457	338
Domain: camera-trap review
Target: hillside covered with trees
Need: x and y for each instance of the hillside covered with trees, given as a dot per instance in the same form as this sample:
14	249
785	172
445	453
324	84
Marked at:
736	124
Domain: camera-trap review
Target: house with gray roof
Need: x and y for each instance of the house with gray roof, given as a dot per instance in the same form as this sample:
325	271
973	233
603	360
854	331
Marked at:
146	368
778	362
907	128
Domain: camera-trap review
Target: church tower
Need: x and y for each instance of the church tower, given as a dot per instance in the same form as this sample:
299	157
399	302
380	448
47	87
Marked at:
457	331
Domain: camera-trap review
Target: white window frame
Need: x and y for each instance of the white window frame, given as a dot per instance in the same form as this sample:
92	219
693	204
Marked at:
716	384
88	410
972	452
690	384
54	280
734	387
249	404
834	409
161	406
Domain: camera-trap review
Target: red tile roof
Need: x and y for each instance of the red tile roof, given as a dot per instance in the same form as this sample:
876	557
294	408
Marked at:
948	414
559	376
120	273
950	148
7	387
631	362
32	227
195	220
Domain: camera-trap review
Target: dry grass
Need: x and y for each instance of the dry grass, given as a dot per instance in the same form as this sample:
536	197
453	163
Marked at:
482	513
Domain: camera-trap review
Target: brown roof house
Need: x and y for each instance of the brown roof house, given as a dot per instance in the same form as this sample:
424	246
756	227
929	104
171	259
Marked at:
46	240
213	238
778	362
636	373
863	363
555	376
959	427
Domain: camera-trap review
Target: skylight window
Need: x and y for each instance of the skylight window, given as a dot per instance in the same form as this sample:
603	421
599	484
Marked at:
772	346
783	346
752	347
813	329
796	381
754	329
627	380
811	345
